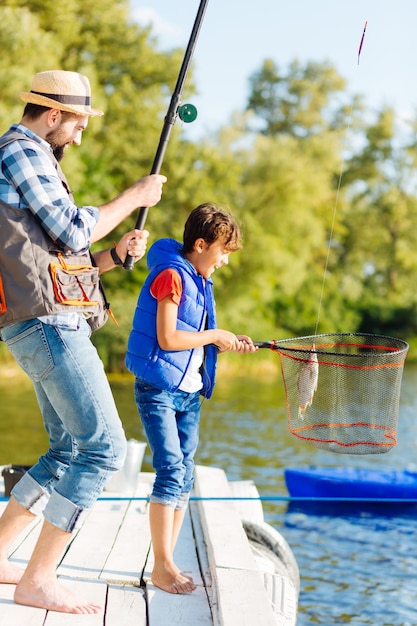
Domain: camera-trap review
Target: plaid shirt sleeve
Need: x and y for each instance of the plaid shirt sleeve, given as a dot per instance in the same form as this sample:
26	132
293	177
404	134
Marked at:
28	180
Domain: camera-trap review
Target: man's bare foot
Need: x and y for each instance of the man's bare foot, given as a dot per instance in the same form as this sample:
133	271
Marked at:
10	573
170	579
52	596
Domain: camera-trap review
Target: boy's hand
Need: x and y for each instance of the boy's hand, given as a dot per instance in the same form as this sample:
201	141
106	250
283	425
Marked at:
246	344
228	342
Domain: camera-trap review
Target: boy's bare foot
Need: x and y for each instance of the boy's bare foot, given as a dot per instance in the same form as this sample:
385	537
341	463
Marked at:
170	579
52	596
10	573
185	574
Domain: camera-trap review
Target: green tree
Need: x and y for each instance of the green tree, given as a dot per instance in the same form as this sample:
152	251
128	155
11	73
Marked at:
326	198
300	102
380	246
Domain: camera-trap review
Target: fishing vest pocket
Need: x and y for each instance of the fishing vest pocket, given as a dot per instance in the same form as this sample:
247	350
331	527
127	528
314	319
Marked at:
74	285
3	307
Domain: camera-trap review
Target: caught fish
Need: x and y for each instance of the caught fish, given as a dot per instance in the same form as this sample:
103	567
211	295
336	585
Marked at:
307	382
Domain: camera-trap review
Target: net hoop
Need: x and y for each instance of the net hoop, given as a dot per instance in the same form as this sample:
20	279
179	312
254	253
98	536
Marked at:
399	345
343	389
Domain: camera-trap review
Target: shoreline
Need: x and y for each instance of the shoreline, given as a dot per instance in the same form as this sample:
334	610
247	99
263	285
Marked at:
242	366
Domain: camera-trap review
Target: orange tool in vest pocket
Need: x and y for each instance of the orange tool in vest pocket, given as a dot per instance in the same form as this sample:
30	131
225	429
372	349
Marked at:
74	284
3	307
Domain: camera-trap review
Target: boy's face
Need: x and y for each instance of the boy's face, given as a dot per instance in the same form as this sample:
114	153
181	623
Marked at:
210	257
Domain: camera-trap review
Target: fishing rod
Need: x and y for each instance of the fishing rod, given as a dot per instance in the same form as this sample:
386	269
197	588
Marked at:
187	113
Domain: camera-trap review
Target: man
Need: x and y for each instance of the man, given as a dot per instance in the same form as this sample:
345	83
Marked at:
50	301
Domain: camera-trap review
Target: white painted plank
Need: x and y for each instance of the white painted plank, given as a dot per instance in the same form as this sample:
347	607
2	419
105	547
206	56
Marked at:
247	509
200	545
94	591
238	595
242	599
126	606
189	609
128	555
12	614
227	544
90	548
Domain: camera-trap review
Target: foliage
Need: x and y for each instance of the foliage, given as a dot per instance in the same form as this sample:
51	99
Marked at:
111	340
326	196
296	103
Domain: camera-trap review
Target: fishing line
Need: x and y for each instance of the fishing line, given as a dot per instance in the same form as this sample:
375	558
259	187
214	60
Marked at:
356	404
278	498
336	204
331	234
187	112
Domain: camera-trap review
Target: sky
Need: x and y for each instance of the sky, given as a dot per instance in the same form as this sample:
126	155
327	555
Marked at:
237	35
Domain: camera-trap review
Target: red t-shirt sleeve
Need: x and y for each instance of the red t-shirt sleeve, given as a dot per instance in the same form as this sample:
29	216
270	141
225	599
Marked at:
167	283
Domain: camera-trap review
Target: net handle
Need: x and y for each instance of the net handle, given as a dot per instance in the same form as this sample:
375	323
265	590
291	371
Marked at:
276	345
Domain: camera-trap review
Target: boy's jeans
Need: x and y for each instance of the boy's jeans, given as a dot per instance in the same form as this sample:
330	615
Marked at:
87	441
171	421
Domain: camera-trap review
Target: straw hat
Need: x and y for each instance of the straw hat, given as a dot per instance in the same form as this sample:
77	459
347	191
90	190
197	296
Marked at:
58	89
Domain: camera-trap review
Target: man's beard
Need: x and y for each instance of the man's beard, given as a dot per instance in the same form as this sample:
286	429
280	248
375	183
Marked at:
57	148
58	152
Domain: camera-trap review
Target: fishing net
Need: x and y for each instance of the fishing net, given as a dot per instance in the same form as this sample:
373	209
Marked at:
343	390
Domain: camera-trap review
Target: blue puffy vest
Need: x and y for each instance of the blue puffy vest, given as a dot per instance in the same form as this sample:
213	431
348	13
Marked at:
166	369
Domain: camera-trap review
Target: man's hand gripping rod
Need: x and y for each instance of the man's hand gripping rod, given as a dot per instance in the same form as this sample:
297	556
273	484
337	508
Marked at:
186	111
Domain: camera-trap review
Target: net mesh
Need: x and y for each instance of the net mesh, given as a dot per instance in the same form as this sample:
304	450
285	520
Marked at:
343	390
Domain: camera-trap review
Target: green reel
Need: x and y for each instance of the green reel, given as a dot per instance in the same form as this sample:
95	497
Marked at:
187	113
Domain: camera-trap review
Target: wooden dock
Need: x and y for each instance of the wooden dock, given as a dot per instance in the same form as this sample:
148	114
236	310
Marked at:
110	558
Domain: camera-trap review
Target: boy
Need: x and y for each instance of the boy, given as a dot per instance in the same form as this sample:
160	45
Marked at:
172	352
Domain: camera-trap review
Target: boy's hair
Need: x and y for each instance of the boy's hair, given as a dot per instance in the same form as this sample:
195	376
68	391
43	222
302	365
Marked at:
211	223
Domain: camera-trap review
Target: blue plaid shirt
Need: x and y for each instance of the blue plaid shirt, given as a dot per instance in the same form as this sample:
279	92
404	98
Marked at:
29	180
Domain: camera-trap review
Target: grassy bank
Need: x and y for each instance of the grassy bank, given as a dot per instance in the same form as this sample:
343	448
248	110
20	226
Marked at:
264	363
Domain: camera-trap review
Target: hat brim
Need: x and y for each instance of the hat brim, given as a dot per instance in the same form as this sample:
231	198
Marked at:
77	109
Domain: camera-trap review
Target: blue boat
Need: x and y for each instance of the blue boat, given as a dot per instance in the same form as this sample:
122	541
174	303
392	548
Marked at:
339	483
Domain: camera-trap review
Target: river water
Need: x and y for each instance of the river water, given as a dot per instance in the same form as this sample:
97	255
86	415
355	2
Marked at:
357	567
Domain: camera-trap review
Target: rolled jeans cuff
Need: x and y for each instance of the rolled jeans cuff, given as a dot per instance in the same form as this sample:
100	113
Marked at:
64	514
57	509
183	501
30	494
178	505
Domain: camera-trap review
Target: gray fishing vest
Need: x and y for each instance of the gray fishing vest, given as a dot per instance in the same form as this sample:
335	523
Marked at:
37	277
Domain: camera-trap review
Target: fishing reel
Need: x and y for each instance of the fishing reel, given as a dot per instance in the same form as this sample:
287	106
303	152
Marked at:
187	113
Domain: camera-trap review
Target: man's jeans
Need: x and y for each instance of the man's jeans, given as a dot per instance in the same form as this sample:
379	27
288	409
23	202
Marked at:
171	421
87	441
